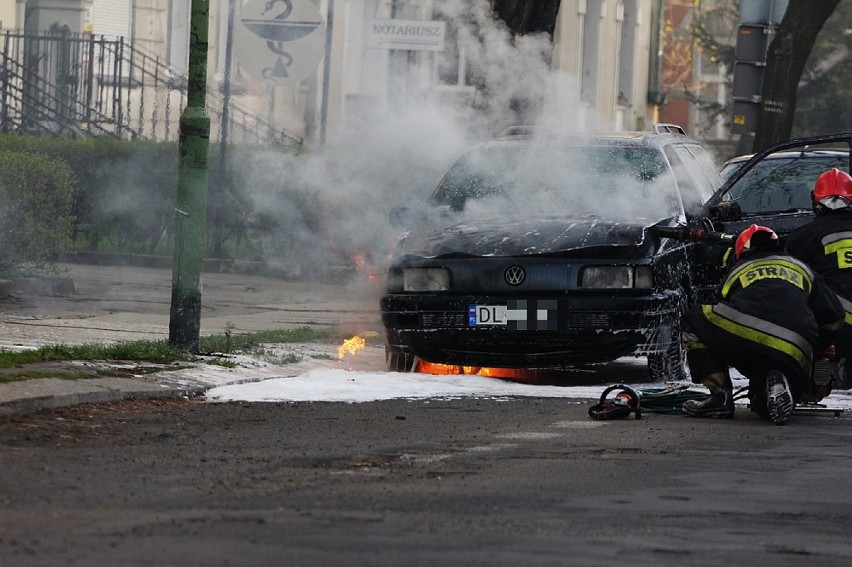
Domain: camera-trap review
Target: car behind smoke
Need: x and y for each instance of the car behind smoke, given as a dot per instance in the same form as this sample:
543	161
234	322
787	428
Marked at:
536	253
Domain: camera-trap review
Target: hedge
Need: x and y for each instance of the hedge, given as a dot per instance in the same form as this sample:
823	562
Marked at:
127	191
37	194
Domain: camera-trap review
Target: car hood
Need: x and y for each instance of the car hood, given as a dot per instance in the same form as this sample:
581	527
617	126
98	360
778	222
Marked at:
539	236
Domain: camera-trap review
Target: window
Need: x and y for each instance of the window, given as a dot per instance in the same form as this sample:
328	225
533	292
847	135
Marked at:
627	52
451	68
591	52
694	185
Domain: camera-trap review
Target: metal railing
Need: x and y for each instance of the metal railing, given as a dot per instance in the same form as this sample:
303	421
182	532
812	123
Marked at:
82	85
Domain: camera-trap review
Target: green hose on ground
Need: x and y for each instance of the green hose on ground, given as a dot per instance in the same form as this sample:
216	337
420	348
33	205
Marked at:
668	400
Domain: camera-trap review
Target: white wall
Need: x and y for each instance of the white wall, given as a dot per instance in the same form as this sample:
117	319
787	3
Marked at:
594	46
9	15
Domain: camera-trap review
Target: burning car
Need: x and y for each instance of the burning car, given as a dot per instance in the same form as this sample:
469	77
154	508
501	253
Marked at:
537	253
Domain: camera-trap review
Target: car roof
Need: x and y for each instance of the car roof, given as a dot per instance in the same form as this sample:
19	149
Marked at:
793	154
659	136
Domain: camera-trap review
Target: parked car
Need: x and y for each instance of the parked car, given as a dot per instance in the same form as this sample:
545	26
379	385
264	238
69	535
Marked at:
536	253
774	187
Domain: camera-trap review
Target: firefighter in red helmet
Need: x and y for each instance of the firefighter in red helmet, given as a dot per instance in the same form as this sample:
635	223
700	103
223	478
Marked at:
826	246
773	313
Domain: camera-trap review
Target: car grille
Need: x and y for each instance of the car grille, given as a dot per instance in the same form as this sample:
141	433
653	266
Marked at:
524	350
443	320
594	320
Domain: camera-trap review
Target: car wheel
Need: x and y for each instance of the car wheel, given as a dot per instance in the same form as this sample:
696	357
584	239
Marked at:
399	361
668	365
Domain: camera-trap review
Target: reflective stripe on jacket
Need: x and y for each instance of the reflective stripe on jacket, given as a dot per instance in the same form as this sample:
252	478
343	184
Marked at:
784	268
776	301
763	332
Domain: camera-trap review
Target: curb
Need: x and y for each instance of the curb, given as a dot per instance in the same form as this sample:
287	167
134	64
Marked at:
34	395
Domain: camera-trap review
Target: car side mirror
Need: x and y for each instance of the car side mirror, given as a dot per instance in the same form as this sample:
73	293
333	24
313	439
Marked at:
726	211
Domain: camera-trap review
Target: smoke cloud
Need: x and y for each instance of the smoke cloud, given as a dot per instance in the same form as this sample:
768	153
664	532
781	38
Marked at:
334	204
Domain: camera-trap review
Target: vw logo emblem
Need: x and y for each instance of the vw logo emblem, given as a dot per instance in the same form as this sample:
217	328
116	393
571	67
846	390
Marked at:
514	275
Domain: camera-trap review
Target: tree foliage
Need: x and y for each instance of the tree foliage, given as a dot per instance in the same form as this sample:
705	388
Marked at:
528	16
826	85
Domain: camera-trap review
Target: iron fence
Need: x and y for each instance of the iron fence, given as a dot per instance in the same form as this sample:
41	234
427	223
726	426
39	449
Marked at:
84	85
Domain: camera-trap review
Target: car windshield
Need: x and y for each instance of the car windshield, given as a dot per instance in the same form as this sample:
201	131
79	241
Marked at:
781	184
611	181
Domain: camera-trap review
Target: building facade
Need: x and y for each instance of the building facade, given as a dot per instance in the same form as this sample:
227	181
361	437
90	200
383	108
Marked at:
595	75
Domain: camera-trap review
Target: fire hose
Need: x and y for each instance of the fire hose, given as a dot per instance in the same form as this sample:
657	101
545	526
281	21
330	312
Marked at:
627	400
694	234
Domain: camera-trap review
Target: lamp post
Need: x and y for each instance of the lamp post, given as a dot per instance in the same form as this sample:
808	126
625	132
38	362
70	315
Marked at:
191	210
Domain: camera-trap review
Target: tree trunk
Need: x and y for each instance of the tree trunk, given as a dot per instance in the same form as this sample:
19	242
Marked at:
528	16
785	62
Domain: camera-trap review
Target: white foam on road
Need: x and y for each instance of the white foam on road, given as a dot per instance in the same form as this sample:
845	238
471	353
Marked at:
338	385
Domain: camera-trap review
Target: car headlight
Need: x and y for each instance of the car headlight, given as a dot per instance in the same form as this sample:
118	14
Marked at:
425	279
617	277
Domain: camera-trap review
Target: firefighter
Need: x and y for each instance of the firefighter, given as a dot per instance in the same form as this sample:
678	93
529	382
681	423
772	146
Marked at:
773	312
826	246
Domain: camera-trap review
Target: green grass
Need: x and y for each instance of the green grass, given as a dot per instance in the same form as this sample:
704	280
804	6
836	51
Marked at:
223	362
270	357
160	351
252	342
151	351
26	374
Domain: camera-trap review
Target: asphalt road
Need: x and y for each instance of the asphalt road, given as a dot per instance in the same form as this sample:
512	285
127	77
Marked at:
441	482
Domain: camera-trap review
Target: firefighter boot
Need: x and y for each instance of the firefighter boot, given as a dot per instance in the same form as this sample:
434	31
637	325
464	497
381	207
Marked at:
720	404
779	399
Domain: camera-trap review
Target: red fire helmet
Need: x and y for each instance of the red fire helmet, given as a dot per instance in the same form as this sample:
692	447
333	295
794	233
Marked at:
744	240
833	183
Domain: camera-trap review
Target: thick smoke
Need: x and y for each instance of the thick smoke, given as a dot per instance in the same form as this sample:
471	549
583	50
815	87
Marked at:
333	204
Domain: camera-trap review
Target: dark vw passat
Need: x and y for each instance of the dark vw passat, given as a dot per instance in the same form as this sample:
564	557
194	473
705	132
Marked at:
536	253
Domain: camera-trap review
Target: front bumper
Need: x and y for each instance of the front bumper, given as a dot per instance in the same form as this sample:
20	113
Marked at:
574	330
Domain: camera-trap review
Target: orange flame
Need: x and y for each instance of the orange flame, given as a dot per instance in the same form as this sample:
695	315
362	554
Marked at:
351	346
364	267
435	368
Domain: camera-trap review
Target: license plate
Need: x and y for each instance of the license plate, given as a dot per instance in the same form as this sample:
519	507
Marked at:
486	315
517	315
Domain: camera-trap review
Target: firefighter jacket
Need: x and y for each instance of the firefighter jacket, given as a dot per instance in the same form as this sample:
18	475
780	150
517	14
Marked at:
774	305
826	246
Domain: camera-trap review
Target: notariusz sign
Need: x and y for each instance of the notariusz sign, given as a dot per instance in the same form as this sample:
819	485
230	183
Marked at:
411	35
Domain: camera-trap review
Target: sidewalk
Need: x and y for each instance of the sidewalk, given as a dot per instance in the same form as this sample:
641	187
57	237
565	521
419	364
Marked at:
131	303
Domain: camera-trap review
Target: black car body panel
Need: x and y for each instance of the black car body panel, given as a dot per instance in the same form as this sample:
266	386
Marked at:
541	236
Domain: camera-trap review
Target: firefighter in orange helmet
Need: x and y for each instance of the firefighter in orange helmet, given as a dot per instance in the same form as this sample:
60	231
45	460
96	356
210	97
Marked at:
826	246
773	313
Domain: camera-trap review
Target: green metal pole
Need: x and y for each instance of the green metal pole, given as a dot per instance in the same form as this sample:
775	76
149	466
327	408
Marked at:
190	214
